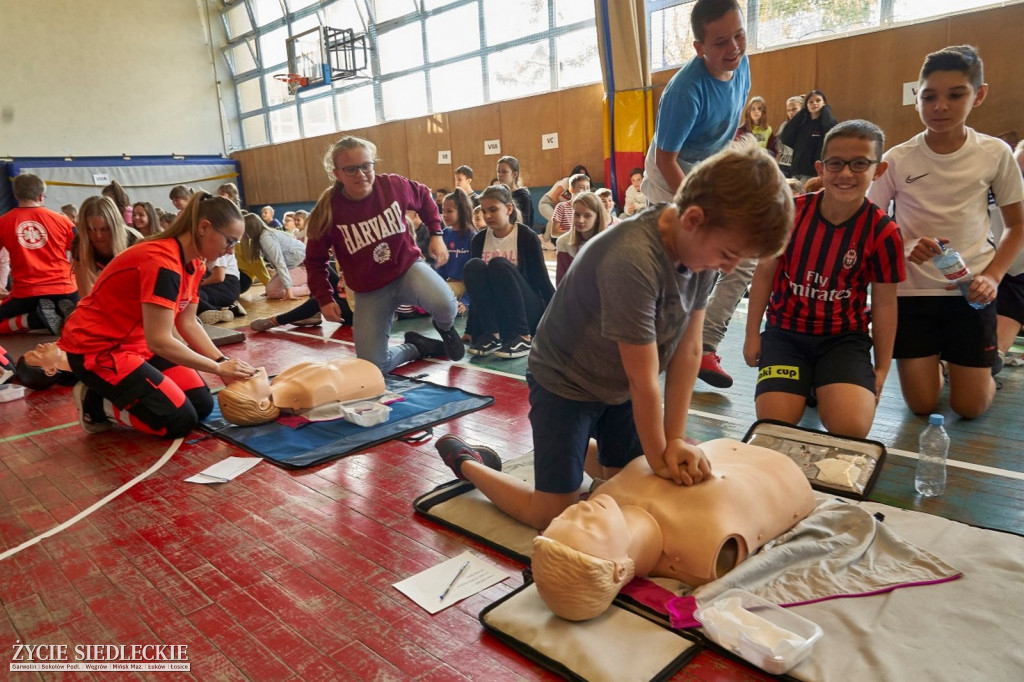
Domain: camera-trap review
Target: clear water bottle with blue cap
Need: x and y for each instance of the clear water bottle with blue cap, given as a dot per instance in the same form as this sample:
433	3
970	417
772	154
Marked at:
952	266
933	449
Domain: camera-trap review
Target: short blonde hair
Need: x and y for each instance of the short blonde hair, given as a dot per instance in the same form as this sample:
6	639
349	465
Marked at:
574	585
741	189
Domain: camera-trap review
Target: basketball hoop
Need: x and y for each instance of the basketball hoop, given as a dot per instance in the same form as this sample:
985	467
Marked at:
293	80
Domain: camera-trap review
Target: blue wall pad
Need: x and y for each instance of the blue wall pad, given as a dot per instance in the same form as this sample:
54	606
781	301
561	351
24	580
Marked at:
425	404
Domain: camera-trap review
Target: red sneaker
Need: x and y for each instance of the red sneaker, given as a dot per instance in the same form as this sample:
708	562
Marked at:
711	371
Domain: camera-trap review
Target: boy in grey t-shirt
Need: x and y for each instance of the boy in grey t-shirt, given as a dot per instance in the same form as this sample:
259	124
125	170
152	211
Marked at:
630	308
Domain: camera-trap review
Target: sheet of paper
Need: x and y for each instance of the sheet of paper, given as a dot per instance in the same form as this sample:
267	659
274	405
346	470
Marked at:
225	470
425	588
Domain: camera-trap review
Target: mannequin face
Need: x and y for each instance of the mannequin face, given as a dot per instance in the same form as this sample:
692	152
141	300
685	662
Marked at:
48	357
595	527
249	402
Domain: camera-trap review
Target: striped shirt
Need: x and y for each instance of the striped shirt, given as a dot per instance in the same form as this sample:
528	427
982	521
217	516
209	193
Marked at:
821	284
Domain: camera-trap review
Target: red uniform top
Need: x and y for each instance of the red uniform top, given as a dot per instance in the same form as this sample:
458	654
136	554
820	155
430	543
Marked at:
38	240
111	316
821	284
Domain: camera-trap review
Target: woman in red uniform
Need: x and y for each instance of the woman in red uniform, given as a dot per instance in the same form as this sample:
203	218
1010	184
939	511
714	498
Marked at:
119	341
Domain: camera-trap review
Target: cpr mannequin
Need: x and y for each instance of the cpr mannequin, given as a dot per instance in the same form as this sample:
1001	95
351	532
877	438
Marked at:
639	524
44	366
300	387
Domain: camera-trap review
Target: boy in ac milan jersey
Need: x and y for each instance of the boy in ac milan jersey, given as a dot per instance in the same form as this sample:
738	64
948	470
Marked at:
817	333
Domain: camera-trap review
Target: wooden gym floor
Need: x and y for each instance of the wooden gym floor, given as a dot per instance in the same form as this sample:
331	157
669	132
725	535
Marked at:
284	574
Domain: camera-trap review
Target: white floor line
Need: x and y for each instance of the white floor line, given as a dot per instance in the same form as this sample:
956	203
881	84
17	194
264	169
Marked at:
85	512
970	466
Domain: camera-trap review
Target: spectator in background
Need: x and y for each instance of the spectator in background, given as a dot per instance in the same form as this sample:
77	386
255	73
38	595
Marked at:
70	211
464	181
806	132
784	153
179	196
635	199
608	202
508	175
755	122
144	218
559	192
267	213
38	240
115	192
229	191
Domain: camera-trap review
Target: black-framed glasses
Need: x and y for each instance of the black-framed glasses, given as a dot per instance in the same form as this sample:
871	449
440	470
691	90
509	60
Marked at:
229	242
352	171
858	165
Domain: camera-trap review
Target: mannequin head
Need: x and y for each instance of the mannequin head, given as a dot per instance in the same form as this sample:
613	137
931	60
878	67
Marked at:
586	545
641	524
248	402
311	384
41	367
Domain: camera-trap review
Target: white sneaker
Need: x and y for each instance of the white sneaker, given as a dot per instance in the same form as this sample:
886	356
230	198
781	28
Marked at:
78	394
215	316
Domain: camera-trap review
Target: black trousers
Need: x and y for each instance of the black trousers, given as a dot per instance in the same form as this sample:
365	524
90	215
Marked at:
502	301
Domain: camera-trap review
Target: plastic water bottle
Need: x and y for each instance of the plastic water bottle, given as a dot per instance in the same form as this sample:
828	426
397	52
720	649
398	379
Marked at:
933	446
952	266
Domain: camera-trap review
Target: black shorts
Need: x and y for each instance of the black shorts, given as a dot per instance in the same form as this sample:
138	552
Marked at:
1010	298
562	428
946	326
792	362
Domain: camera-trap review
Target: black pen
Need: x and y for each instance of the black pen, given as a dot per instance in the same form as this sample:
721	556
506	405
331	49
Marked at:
454	580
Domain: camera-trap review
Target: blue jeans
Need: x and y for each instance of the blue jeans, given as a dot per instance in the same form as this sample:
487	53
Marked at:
419	286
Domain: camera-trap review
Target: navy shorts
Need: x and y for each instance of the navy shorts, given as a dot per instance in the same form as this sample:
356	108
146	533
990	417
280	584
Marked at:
946	326
562	428
792	362
1010	298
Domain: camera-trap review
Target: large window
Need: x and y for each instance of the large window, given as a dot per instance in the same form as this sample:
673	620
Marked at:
427	56
773	23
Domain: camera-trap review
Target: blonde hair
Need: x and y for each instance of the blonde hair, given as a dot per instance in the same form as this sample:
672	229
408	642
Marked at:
201	206
320	218
594	203
86	269
230	191
238	406
742	189
574	585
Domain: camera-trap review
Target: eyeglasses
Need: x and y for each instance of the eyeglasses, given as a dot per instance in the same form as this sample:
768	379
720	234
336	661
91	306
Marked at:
229	242
858	165
352	171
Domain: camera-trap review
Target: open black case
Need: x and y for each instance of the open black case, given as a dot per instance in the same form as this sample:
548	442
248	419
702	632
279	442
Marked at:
833	464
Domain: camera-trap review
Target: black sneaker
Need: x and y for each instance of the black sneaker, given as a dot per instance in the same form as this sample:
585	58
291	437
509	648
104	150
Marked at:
452	340
514	349
428	347
485	347
49	315
454	451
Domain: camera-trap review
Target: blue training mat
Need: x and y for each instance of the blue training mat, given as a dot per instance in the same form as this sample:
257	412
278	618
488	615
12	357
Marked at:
425	404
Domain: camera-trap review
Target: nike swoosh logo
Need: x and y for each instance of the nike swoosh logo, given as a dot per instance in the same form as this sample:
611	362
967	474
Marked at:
915	178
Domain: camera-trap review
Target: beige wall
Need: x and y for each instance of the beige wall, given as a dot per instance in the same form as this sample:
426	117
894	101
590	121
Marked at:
861	75
106	78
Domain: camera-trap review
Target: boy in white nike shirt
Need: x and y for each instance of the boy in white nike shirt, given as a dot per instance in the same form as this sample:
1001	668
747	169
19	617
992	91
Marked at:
939	181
